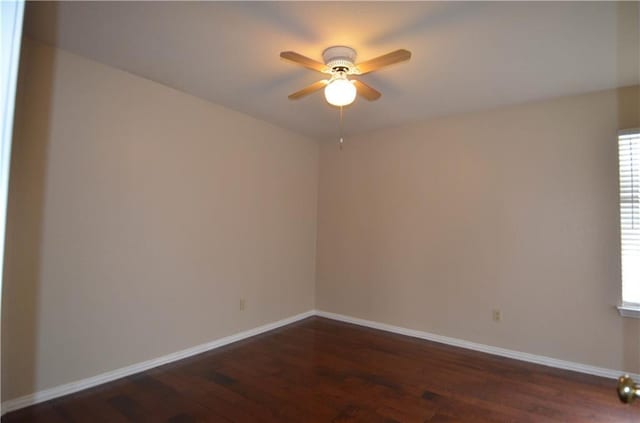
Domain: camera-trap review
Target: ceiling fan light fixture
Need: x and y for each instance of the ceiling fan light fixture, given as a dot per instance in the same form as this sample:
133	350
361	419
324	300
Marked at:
340	91
339	62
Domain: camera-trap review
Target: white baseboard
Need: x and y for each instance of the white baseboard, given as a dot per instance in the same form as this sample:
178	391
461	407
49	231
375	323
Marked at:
69	388
503	352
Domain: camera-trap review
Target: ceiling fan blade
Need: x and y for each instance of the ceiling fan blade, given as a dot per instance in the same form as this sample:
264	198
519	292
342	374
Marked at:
304	61
384	60
366	91
308	90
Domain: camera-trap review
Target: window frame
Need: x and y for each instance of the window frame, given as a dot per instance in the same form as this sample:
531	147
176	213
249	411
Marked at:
625	308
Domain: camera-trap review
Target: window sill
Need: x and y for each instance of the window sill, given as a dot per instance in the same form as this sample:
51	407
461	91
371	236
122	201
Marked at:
629	311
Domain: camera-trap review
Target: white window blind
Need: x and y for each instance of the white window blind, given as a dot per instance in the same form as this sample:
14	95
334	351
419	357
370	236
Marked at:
629	158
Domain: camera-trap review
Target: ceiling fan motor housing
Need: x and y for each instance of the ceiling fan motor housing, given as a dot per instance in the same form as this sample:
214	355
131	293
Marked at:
340	59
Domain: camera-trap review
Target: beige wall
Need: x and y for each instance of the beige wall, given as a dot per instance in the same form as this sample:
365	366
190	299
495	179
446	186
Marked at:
432	225
139	216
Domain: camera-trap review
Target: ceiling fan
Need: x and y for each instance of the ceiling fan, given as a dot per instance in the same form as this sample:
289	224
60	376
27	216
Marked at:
339	63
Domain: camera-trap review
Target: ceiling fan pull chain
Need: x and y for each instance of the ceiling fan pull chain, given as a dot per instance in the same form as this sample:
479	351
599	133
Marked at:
340	129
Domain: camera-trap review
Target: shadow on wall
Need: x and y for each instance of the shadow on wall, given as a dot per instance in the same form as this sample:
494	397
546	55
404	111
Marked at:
25	213
628	72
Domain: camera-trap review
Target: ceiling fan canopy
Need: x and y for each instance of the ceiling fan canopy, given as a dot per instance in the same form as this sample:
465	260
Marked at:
339	63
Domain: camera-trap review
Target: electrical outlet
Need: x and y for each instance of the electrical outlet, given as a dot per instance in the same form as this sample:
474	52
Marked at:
497	315
243	304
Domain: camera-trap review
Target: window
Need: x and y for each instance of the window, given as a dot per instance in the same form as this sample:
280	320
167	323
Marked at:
629	160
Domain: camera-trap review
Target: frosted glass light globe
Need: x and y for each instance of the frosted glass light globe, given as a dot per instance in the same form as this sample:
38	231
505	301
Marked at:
340	92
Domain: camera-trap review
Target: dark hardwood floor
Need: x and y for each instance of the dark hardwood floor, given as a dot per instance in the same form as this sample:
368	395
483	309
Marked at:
319	370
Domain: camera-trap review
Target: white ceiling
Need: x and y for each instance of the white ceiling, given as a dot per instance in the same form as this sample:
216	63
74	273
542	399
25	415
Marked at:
466	55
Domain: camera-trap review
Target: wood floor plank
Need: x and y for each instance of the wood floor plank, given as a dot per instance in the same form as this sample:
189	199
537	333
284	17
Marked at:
319	370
